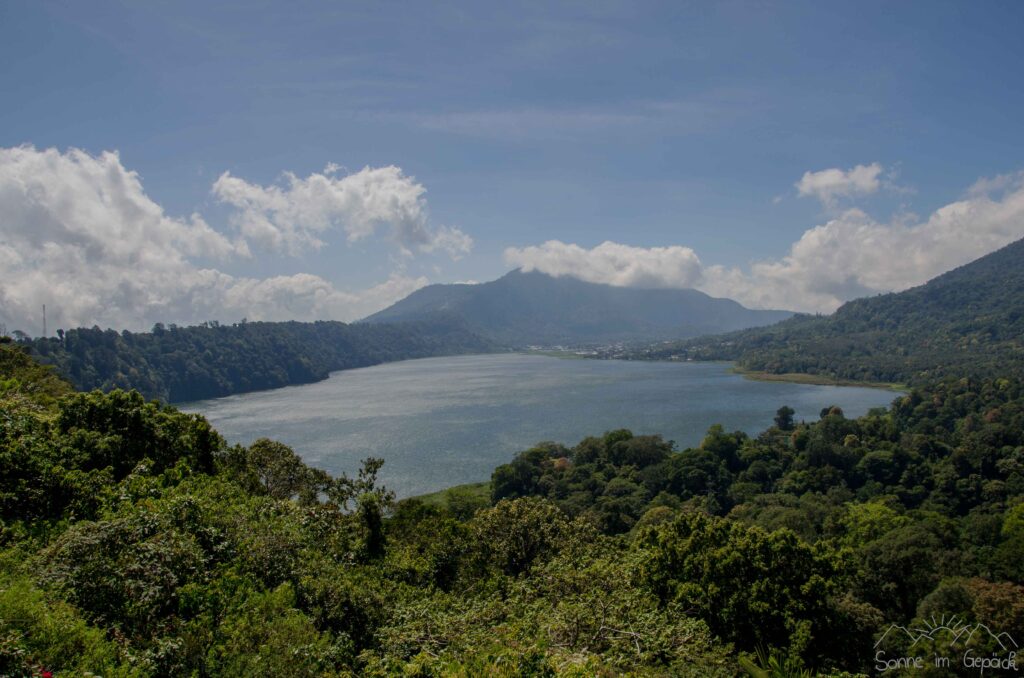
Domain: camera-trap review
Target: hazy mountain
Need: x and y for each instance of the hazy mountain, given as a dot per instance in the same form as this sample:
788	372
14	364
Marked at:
534	308
968	321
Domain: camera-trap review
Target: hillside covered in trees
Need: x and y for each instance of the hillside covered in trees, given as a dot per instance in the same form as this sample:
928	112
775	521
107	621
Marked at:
178	364
969	321
135	542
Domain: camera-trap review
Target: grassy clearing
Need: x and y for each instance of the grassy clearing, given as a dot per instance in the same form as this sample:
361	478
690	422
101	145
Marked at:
818	379
474	492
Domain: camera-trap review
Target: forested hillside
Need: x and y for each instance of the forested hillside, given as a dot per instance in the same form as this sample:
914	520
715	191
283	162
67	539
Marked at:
520	309
135	542
178	364
969	321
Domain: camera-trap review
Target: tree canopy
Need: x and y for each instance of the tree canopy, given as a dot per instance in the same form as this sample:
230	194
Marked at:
135	542
179	364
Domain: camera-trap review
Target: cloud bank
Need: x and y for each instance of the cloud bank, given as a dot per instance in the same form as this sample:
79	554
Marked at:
294	216
611	263
79	234
849	256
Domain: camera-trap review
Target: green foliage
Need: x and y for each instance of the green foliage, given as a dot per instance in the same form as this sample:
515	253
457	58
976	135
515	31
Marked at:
39	634
609	480
272	468
133	542
517	533
461	501
64	458
969	321
119	429
784	418
774	664
752	587
23	379
269	636
178	364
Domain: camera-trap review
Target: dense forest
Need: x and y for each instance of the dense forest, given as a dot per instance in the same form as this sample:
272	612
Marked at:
969	321
135	542
178	364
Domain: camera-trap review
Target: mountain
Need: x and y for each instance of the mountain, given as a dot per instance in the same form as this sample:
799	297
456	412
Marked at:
967	322
533	308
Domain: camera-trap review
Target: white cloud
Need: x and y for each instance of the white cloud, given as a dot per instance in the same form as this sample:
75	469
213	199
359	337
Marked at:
854	255
95	203
79	234
611	263
989	185
850	256
295	216
451	240
305	296
829	185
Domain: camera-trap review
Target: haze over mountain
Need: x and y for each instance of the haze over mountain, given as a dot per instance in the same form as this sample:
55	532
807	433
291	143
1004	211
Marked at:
967	321
534	308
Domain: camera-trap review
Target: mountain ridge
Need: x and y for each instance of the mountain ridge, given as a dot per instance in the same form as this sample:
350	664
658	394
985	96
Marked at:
523	308
968	321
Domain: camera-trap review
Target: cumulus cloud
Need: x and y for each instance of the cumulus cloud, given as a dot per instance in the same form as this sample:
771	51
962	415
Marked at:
849	256
829	185
294	216
854	255
611	263
79	234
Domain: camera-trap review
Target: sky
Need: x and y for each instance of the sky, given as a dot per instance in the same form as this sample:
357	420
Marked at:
191	161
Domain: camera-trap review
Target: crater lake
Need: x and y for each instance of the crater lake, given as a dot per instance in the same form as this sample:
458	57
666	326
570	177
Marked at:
439	422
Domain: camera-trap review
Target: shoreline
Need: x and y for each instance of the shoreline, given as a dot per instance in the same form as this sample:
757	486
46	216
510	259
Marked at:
753	375
816	380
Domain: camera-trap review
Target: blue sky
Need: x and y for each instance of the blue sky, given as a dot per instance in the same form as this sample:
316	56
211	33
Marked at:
646	125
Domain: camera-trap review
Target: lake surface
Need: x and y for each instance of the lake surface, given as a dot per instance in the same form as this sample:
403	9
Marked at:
439	422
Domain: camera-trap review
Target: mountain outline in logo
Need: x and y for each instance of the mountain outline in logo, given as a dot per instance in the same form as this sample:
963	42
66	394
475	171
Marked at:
960	631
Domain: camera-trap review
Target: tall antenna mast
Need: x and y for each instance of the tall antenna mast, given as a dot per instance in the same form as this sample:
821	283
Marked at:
44	321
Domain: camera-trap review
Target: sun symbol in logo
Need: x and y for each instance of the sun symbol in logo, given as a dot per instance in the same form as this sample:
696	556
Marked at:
956	627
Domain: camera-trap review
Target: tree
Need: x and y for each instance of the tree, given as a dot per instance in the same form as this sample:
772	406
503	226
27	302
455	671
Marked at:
119	429
752	587
899	568
272	468
517	533
784	418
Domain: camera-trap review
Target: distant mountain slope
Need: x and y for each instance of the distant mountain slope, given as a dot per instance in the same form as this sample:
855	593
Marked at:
534	308
190	363
969	321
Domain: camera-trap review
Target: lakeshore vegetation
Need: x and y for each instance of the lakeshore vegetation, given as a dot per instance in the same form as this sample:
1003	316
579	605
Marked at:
178	364
135	542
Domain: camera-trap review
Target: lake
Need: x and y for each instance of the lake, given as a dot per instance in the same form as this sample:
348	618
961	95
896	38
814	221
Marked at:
439	422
